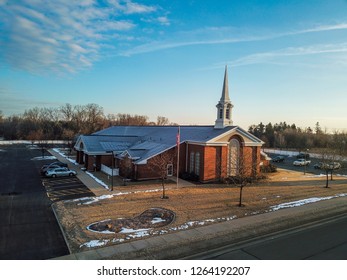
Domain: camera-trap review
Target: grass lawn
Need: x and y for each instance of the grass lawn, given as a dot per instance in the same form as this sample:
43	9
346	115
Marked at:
199	203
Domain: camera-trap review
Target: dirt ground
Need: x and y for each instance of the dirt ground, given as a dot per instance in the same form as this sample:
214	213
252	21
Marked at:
199	203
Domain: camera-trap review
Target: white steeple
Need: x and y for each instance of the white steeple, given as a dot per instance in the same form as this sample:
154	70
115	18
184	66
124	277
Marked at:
224	105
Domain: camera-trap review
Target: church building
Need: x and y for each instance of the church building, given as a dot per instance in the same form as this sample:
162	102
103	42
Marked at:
205	153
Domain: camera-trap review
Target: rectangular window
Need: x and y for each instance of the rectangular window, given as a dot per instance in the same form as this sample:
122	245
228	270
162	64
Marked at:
227	113
191	162
197	163
169	169
221	113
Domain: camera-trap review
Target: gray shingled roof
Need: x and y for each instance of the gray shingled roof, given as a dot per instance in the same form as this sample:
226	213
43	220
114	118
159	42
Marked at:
144	142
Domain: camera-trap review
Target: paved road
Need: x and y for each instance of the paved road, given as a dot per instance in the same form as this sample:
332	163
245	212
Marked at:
28	228
324	241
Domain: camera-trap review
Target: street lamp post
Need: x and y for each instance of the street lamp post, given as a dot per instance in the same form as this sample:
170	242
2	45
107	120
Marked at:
112	168
305	161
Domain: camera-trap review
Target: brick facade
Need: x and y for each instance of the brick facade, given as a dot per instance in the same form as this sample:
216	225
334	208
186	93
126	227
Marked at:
213	162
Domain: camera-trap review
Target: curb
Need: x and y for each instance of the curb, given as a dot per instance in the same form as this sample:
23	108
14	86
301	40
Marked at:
61	228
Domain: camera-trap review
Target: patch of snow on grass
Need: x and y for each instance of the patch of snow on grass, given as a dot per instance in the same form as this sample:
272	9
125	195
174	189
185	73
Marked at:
304	201
157	220
94	199
131	230
95	243
315	176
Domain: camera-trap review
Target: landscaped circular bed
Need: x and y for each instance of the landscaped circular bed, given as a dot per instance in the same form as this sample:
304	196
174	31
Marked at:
149	219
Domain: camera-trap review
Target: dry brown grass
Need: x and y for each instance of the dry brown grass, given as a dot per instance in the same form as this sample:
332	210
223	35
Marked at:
194	203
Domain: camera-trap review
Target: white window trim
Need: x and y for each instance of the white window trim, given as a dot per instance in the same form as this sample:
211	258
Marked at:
168	168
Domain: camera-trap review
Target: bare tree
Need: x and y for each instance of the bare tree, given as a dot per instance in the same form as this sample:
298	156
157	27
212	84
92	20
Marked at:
160	165
329	163
244	169
162	120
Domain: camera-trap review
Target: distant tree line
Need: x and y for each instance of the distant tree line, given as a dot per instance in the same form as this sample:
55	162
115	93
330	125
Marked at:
66	122
286	136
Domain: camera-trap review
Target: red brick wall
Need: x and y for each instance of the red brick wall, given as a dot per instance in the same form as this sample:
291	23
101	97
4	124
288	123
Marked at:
106	160
126	168
211	170
224	163
151	171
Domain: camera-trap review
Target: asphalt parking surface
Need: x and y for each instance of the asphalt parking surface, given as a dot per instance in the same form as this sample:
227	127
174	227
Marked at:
64	188
28	227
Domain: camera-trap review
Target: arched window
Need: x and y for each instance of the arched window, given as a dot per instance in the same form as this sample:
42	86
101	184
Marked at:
234	157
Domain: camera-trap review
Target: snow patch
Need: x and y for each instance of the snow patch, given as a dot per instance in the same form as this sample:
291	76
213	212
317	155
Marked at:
157	220
65	156
95	243
44	158
304	201
98	180
94	199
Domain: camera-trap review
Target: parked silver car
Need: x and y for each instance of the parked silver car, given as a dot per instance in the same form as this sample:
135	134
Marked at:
55	164
60	172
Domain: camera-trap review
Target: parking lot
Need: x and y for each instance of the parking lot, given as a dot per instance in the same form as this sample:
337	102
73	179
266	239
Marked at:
288	164
64	188
28	228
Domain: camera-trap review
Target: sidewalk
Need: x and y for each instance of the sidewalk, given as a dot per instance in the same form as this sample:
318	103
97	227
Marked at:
87	180
99	189
193	241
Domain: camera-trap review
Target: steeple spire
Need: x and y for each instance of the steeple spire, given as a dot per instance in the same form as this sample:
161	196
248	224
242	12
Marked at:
225	92
224	105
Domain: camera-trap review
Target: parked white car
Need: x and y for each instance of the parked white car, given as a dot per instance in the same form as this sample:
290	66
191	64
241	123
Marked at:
60	172
301	162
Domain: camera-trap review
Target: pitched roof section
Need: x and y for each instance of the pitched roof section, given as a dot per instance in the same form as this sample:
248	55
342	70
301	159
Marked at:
145	142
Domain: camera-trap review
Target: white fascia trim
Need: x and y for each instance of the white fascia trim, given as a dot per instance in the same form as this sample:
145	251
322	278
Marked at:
77	144
223	134
207	143
257	141
252	144
249	135
144	161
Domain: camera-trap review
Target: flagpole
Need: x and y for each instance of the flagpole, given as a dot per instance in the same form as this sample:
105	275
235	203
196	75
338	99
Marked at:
178	154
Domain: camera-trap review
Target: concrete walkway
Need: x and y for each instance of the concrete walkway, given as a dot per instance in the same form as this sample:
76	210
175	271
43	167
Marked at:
87	180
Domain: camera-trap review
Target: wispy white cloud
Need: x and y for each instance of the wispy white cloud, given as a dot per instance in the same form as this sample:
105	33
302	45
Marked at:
63	35
270	57
222	35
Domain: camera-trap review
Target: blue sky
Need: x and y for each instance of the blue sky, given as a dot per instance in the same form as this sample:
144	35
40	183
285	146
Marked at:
287	60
